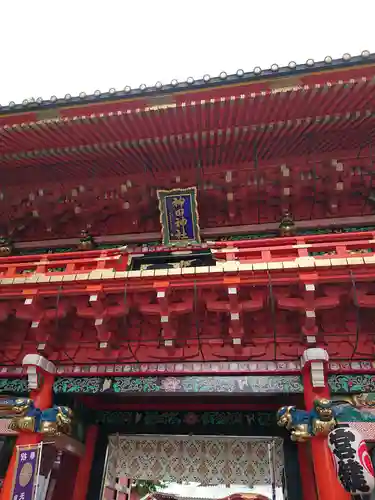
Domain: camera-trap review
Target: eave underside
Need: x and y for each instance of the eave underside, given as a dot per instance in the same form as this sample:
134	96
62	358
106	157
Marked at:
251	155
210	133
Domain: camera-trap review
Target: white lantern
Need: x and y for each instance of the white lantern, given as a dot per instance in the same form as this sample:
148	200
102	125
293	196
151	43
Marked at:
353	462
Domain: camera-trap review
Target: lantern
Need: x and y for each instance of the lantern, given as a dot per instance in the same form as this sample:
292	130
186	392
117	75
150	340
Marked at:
353	462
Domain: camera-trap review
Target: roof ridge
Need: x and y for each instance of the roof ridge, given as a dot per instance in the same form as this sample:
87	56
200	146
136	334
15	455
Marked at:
190	83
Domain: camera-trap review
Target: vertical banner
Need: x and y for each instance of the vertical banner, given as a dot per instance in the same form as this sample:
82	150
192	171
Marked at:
179	216
26	472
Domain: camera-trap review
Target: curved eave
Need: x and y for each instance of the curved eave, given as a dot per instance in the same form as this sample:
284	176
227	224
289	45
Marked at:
208	83
206	149
278	123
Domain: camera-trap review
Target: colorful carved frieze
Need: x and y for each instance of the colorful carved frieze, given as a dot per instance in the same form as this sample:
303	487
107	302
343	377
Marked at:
200	384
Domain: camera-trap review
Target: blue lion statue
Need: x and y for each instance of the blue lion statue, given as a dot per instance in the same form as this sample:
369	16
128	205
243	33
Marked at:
303	425
15	406
27	418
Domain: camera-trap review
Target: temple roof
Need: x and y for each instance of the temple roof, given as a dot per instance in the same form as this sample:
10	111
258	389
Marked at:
191	84
133	138
298	137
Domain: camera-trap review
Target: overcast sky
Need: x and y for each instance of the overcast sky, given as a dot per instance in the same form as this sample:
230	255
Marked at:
58	47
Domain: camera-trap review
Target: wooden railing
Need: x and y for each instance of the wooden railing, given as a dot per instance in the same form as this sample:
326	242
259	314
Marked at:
344	245
63	263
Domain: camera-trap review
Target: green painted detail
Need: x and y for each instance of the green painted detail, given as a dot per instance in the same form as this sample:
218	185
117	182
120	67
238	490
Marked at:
13	385
200	384
351	384
348	413
79	385
253	236
107	246
135	384
333	252
37	251
190	419
353	229
274	384
314	254
26	271
153	243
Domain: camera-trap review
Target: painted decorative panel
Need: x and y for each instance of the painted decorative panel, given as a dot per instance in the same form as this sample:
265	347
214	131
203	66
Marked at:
199	384
273	384
219	368
351	383
247	420
206	460
13	385
192	368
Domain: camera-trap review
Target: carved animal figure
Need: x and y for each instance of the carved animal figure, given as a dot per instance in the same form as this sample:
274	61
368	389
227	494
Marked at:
56	421
50	422
323	417
295	421
303	425
18	406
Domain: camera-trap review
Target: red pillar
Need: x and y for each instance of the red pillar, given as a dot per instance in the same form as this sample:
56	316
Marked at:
66	477
43	399
306	471
316	386
83	476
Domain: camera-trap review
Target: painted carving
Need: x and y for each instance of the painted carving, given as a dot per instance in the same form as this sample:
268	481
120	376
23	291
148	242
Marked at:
27	418
303	425
355	408
287	226
191	384
6	246
15	406
365	400
50	422
86	241
351	383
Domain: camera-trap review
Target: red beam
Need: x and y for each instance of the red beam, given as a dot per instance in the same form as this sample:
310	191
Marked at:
337	222
184	406
334	275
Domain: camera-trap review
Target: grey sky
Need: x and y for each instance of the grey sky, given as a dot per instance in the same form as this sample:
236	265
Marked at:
58	47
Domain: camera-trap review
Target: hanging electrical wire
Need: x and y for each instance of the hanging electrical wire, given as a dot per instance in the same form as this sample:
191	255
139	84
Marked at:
273	314
272	467
257	178
314	177
57	321
6	358
358	316
125	299
199	171
371	174
195	312
367	142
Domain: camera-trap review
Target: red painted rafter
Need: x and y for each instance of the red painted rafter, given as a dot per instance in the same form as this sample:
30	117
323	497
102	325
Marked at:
144	124
359	125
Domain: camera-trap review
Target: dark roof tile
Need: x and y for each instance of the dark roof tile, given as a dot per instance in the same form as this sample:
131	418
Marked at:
207	81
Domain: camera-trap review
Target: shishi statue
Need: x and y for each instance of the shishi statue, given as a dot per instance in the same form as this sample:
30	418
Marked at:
27	418
303	425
